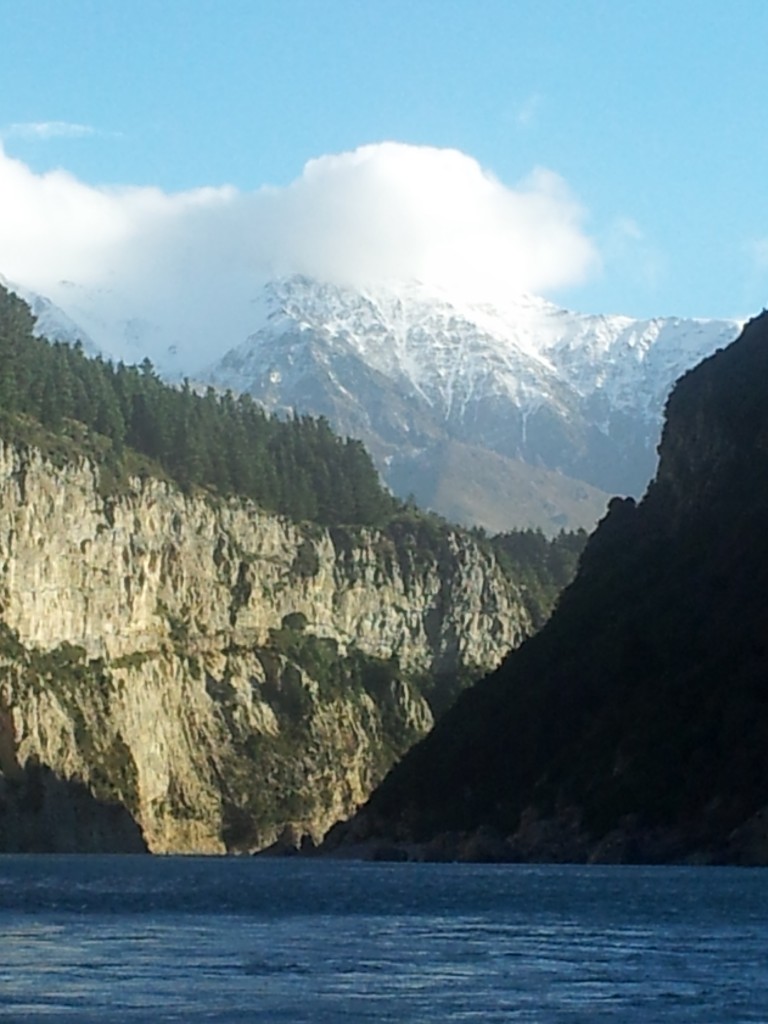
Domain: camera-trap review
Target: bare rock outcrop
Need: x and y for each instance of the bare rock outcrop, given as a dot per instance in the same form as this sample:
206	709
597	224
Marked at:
218	673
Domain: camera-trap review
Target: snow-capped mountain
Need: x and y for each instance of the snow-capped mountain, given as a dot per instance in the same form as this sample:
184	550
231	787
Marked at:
414	374
52	322
525	414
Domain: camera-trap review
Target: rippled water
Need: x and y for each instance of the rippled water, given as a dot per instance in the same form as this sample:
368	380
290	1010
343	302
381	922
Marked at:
88	939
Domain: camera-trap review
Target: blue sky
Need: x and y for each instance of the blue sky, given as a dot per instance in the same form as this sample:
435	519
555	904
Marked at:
650	115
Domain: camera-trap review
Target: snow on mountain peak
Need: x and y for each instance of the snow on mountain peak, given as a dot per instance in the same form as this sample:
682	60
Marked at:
529	348
402	364
415	335
406	366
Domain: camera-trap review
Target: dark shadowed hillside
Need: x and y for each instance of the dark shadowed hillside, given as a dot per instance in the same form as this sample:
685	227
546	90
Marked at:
634	726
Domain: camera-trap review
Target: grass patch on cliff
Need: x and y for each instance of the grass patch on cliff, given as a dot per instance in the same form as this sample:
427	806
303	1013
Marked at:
113	772
293	653
64	670
82	686
178	627
135	660
336	713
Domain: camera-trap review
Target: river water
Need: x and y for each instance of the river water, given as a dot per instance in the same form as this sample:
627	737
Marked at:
142	939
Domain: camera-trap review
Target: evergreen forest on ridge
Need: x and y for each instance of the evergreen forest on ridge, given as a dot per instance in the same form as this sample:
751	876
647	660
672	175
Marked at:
297	467
128	421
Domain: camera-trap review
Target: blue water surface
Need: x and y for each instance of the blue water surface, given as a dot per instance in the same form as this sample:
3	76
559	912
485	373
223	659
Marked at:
110	939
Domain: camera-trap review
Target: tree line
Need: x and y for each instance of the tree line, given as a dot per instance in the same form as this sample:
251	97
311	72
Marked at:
296	467
229	445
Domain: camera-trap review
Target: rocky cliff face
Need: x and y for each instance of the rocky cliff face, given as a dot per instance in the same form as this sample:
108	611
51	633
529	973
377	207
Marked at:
215	675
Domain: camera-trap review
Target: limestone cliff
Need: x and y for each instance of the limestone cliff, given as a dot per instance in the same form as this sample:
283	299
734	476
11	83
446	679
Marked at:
217	674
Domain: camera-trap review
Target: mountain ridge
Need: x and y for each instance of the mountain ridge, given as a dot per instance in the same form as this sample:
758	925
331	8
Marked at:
407	368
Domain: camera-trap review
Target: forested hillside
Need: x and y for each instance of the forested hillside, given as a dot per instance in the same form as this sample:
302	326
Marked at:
112	413
128	421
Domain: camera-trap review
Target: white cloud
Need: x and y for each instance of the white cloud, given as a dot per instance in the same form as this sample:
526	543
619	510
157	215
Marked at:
43	130
192	262
394	211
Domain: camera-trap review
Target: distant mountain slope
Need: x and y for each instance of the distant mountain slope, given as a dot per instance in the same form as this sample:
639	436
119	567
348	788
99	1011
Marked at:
634	726
470	484
419	376
126	418
50	321
409	371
